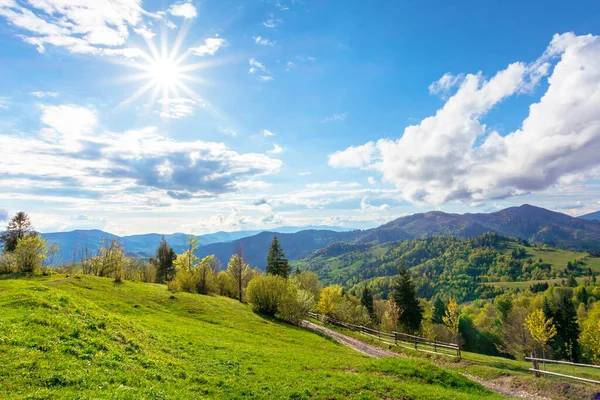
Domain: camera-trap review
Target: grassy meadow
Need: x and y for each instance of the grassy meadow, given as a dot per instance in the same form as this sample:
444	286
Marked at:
86	337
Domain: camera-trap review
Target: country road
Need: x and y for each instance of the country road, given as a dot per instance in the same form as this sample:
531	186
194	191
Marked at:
500	386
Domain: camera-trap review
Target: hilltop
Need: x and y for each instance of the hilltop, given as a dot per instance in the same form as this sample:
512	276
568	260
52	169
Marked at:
88	337
530	223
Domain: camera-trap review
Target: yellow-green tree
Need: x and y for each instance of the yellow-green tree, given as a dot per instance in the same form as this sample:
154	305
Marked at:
590	334
30	253
328	299
541	328
452	320
389	321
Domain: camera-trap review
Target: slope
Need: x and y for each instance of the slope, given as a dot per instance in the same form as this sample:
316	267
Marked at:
87	337
595	216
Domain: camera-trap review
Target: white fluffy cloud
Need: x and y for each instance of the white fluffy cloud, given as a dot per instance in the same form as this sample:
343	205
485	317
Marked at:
82	26
74	158
210	46
267	133
185	10
452	155
277	149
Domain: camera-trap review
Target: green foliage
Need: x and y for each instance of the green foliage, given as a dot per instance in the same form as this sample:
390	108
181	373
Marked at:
294	304
29	253
18	227
404	295
439	310
164	259
277	264
366	299
85	337
308	281
265	293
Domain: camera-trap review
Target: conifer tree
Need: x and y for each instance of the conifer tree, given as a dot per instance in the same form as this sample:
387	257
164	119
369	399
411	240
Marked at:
18	227
277	264
405	297
164	259
439	310
367	300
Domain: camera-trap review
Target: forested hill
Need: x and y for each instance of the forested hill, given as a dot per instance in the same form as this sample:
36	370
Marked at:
526	222
457	267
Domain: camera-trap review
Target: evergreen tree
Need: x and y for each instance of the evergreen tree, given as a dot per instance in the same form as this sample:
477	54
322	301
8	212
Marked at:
277	264
165	270
439	310
405	297
18	227
565	318
367	300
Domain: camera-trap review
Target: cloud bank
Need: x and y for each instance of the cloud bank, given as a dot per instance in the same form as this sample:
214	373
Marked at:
453	156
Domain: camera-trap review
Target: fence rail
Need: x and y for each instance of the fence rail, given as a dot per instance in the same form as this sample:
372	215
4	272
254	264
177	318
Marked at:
543	360
396	338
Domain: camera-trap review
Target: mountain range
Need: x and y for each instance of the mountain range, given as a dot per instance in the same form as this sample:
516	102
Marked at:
526	222
595	216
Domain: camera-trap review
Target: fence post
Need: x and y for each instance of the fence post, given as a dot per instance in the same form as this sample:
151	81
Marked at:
395	338
415	343
435	345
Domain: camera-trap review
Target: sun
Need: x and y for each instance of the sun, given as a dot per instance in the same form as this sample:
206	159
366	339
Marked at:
165	73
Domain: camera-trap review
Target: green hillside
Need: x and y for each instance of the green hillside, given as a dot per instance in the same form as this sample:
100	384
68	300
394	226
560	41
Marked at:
87	337
457	267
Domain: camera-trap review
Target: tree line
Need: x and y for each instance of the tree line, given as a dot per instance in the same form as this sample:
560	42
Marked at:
560	321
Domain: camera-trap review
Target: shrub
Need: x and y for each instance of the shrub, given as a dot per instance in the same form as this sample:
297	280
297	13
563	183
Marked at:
265	293
294	304
30	253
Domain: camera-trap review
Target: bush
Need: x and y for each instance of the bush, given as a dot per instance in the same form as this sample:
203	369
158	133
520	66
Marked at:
265	293
295	304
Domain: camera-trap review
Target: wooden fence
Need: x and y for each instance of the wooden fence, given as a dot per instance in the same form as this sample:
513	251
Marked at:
543	360
400	339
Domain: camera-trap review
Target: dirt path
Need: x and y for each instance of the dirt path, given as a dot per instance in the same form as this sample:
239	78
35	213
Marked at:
351	342
499	386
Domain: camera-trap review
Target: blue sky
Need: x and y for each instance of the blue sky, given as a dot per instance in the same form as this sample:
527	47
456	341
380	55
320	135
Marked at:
294	112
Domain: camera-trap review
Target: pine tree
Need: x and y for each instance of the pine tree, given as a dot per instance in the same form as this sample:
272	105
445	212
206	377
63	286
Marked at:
18	227
277	264
439	310
164	258
565	317
367	300
405	297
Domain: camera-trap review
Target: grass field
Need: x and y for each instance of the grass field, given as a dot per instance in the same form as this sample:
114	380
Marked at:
527	284
512	373
559	258
86	337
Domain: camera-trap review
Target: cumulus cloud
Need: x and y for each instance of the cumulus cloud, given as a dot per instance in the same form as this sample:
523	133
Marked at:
452	155
210	46
371	180
185	10
81	26
334	184
277	149
267	133
364	205
444	85
178	108
73	157
353	157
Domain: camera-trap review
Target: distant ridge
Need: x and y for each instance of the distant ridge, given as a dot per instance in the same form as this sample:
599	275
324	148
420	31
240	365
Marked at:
595	216
525	222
